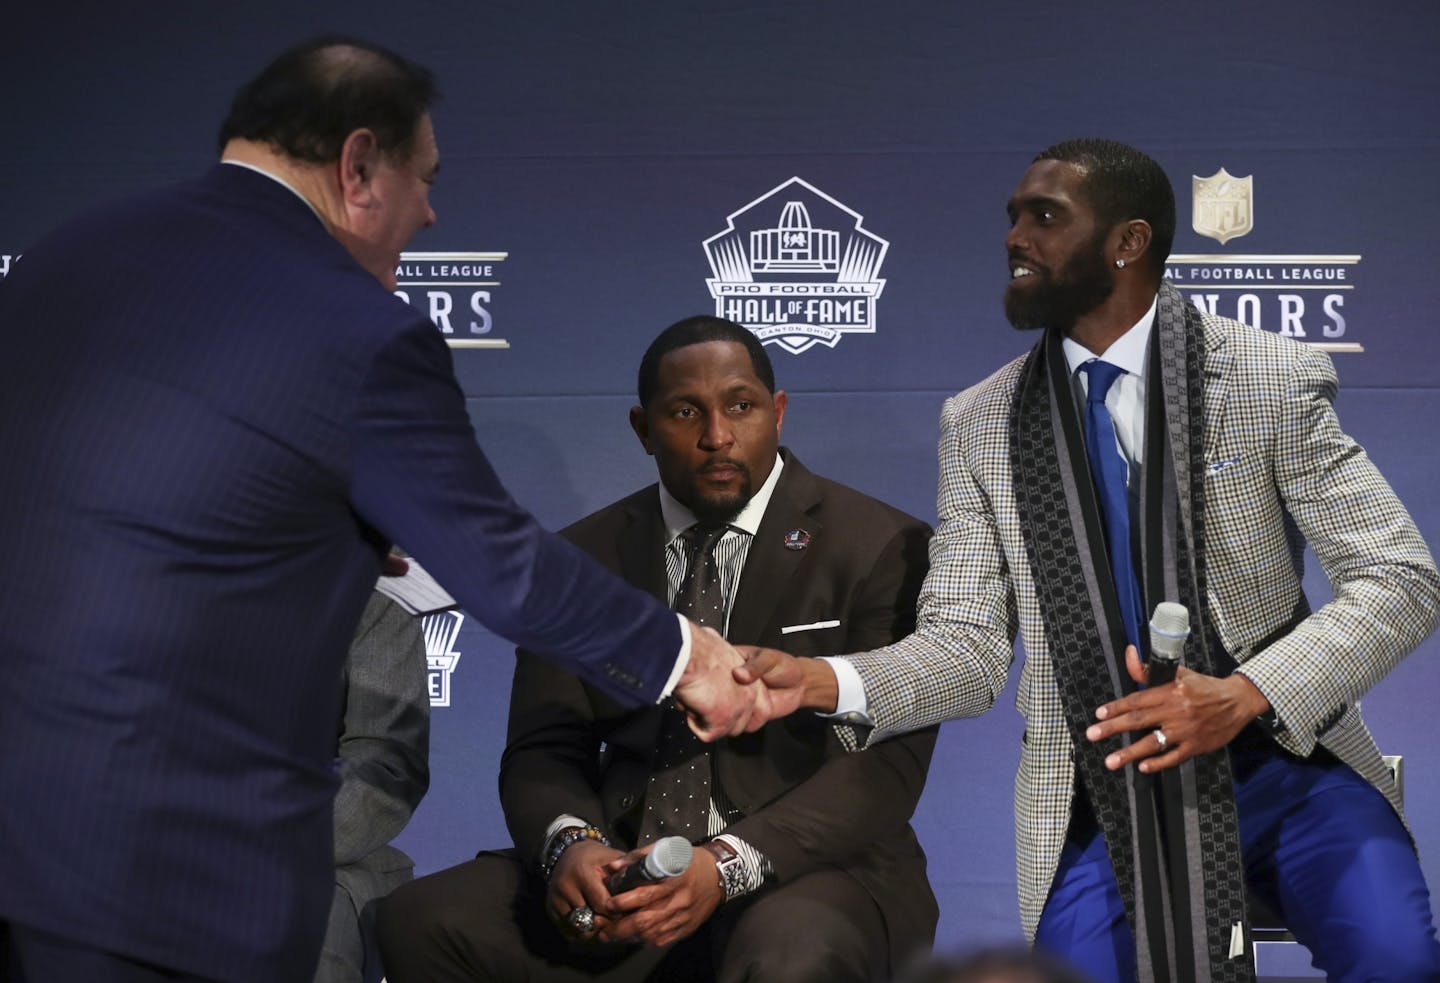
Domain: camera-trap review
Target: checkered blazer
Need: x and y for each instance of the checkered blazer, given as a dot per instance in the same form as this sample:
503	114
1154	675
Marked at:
1279	472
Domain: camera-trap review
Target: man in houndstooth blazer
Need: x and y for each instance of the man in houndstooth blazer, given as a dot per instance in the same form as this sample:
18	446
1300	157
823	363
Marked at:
1278	470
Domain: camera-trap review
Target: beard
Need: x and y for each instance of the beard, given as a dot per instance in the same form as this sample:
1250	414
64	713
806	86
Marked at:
717	508
1060	299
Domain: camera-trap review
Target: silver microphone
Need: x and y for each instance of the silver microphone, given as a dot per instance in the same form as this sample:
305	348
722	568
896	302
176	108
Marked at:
670	857
1169	627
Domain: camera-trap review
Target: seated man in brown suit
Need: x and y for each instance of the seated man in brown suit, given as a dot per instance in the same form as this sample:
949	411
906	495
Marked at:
806	866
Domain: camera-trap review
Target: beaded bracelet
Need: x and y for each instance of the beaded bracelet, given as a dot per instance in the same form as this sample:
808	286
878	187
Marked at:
564	840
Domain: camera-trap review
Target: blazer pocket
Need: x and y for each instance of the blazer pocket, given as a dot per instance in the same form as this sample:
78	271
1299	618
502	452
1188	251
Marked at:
812	626
1224	464
1227	468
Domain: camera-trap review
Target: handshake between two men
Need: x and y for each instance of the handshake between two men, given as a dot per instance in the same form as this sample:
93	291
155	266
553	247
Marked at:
729	690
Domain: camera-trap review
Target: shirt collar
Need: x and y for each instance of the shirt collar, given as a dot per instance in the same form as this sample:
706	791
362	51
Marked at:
1127	351
278	180
678	518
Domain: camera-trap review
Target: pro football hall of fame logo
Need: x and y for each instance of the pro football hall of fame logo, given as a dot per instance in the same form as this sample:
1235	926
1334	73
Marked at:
796	267
1299	295
441	630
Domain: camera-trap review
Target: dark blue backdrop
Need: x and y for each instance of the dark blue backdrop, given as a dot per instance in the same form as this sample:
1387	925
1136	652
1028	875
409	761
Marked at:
591	148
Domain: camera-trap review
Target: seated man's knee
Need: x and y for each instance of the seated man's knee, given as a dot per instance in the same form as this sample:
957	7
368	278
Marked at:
439	928
413	910
810	959
803	936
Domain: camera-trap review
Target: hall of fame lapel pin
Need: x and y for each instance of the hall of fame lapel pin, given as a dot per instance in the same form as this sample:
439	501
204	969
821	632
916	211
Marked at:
797	539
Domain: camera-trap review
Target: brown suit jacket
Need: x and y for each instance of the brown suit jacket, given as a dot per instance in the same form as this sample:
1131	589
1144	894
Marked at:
807	803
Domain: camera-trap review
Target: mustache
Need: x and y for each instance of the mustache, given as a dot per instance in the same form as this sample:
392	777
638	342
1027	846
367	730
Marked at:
1020	259
716	463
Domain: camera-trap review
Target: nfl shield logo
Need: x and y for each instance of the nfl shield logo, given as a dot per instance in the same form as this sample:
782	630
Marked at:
1222	205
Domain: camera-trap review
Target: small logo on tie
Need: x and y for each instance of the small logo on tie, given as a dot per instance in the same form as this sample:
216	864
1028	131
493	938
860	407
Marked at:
797	539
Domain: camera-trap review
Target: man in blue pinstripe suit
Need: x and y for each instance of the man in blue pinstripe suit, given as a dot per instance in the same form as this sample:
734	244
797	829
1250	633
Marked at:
208	447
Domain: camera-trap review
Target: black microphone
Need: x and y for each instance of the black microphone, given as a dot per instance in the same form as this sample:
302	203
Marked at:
670	857
1169	627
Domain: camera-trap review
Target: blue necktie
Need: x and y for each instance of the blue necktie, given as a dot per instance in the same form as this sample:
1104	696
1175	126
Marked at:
1108	469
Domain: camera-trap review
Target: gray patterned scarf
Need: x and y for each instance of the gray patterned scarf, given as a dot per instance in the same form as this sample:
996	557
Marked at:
1173	842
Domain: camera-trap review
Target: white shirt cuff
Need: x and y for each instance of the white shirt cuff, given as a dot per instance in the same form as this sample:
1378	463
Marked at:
851	706
756	865
681	661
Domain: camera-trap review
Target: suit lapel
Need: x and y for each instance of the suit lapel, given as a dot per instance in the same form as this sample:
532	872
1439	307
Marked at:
772	588
1215	372
771	568
1218	362
642	549
641	552
1169	335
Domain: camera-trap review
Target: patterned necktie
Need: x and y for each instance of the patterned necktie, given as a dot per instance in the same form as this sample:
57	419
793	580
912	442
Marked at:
1108	469
677	802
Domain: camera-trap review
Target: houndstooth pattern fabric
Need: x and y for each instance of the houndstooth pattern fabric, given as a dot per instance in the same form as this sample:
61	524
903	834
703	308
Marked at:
1278	471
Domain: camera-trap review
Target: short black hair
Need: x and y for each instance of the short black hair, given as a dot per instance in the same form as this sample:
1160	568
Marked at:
314	95
693	331
1122	183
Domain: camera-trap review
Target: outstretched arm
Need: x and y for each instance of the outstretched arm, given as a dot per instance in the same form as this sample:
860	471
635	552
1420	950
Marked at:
955	662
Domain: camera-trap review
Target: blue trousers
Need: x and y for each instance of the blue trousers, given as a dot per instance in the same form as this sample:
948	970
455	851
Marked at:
1321	845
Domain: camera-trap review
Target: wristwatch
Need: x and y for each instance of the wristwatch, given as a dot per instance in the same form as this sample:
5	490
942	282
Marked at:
730	866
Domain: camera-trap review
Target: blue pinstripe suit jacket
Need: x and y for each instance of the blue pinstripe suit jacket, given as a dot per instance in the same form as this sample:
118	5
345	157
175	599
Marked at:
213	422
